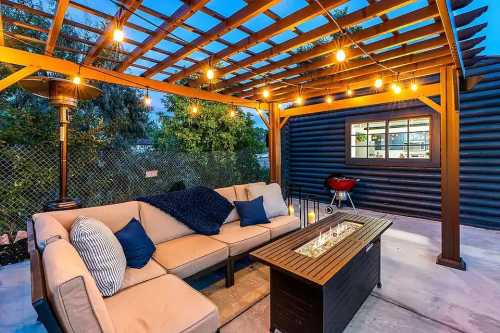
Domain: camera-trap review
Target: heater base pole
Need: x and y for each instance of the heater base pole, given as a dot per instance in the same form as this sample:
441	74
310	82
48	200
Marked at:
61	204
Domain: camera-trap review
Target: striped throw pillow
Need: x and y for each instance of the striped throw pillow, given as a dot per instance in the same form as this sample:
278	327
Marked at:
101	252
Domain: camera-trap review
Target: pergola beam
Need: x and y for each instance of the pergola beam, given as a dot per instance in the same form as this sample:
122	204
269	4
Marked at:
361	101
106	37
2	40
253	9
16	76
446	12
52	64
177	18
55	28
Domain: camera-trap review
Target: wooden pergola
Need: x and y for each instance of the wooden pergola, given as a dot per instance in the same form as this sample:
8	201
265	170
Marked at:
264	72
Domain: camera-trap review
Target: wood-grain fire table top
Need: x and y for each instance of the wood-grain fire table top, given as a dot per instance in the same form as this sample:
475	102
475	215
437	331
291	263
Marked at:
281	253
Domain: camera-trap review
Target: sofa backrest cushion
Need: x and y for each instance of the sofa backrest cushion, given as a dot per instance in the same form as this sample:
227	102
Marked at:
72	291
241	190
115	216
274	204
161	226
230	194
101	252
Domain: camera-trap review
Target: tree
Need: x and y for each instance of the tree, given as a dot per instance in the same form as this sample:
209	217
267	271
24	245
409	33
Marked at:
213	128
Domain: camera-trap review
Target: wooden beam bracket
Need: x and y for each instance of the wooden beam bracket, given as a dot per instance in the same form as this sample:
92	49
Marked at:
430	103
16	76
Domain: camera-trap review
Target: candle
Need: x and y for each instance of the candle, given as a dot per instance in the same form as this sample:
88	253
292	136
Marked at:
291	210
311	217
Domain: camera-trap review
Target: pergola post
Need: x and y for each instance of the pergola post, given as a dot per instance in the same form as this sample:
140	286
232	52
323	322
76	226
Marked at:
274	144
450	170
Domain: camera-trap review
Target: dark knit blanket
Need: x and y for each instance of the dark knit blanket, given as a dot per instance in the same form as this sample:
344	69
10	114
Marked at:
200	208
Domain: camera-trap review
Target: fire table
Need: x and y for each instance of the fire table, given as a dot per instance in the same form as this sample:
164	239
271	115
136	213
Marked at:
322	274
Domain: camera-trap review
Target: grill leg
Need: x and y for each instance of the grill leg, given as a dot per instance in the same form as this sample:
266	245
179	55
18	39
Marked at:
352	203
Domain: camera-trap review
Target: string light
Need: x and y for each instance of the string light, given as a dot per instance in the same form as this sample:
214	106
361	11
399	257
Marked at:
340	55
414	86
299	100
396	88
210	74
329	99
349	92
232	113
77	80
118	35
378	83
266	93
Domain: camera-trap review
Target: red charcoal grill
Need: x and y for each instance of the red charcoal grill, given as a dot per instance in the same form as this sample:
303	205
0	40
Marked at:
340	187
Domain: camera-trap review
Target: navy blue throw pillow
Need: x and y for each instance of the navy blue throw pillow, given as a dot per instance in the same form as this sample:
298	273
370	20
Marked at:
136	244
200	208
251	212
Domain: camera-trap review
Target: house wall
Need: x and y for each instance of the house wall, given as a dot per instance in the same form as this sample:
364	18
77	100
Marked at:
314	148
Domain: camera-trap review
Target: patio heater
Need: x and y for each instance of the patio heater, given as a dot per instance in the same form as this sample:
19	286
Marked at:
63	95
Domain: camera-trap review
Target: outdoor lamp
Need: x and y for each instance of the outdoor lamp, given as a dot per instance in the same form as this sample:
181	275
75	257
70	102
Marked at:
266	93
396	88
340	55
413	86
210	74
299	100
349	92
77	80
118	35
329	99
378	83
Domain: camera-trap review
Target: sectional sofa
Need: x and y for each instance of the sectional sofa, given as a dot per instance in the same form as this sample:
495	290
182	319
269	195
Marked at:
154	298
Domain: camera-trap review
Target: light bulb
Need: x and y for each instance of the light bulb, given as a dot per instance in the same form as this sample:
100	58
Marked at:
414	87
147	100
299	100
77	80
329	99
349	92
396	88
210	74
378	83
340	55
194	109
232	113
118	35
266	93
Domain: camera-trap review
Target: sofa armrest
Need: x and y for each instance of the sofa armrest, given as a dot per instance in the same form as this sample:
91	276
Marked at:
39	298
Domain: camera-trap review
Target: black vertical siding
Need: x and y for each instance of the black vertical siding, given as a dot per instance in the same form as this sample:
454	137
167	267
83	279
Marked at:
480	148
314	147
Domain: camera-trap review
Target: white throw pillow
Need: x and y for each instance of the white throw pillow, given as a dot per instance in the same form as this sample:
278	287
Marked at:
274	205
101	252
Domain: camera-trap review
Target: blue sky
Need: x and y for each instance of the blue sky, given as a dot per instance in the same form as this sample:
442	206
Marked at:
284	8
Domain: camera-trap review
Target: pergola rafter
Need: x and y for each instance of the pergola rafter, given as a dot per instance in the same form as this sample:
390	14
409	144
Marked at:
57	22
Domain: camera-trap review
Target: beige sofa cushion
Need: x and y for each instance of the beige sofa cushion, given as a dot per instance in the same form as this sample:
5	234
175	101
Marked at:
162	305
161	226
115	217
241	239
73	294
281	225
274	205
46	227
230	194
135	276
190	254
241	191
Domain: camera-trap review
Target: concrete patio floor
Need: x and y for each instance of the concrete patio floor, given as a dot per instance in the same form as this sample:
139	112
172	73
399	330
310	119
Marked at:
417	295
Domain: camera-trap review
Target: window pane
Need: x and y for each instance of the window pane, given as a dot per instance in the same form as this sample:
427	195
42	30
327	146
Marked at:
420	124
420	151
358	140
376	134
400	151
398	138
358	128
398	126
359	152
376	151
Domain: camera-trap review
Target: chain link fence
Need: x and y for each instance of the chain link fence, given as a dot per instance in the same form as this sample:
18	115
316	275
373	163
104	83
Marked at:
29	176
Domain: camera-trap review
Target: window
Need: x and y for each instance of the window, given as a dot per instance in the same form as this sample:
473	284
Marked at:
384	140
